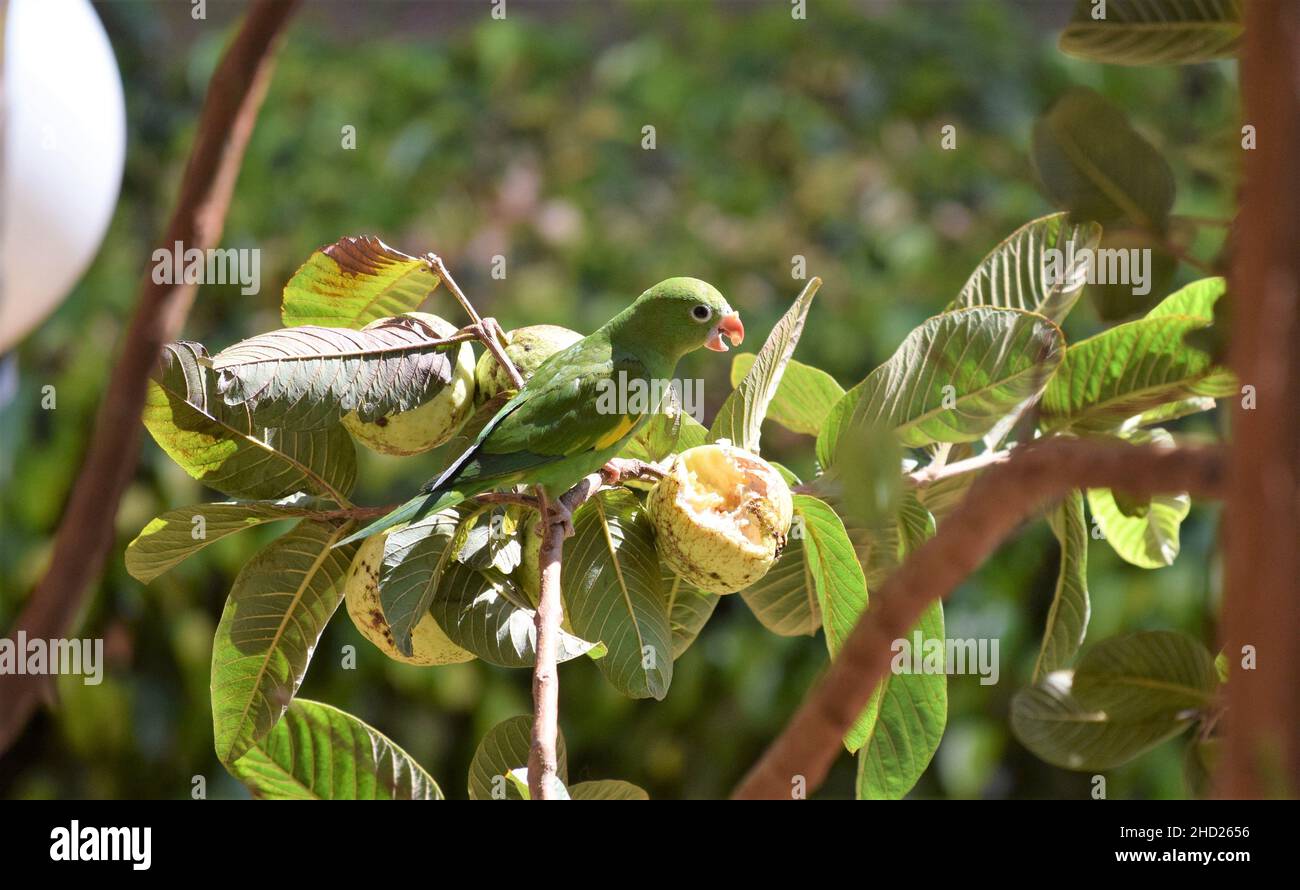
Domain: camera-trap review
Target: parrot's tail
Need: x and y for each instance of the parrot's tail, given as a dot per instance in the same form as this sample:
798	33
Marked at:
413	510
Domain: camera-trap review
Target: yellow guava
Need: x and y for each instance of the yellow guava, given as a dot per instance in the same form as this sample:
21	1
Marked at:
722	515
435	421
527	347
429	645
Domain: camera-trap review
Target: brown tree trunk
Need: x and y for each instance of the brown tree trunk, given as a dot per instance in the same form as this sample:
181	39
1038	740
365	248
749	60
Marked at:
1262	514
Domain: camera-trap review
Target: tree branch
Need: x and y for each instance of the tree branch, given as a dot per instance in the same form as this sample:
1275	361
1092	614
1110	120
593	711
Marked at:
86	532
999	500
1261	602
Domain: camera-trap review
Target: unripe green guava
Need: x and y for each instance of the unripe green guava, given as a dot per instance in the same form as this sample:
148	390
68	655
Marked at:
527	347
529	573
429	645
722	515
430	424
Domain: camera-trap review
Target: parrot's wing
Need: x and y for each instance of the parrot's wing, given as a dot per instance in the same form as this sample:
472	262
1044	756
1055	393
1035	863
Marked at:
574	409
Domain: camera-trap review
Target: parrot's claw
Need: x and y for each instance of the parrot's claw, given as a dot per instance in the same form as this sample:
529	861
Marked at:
558	511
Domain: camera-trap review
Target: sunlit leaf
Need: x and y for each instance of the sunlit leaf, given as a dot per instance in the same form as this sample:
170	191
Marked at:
803	398
741	416
317	752
503	749
951	380
224	449
1067	618
353	282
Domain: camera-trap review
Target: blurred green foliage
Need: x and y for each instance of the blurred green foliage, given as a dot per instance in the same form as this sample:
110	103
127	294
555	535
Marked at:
474	137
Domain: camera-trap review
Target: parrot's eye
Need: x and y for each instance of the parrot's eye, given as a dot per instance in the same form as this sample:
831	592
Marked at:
701	313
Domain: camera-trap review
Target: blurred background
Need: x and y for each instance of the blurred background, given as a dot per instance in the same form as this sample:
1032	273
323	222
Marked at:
523	138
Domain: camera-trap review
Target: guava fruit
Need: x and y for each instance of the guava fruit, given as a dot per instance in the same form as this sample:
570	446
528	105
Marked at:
435	421
722	515
527	347
429	645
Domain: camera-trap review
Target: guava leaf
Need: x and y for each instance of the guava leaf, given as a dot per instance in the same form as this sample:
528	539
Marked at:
1126	695
415	560
355	281
223	448
1154	32
317	752
1196	300
1149	538
173	537
279	605
951	380
309	377
1067	618
803	398
833	566
740	418
903	722
1020	273
484	613
607	789
1129	370
613	593
503	749
689	609
785	599
1092	163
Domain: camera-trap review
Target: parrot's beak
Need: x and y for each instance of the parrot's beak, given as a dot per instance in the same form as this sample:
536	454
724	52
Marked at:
732	328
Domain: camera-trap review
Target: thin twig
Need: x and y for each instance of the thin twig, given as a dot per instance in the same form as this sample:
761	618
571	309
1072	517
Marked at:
86	531
487	327
999	500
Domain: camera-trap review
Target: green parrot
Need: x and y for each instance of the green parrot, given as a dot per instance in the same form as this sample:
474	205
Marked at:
551	432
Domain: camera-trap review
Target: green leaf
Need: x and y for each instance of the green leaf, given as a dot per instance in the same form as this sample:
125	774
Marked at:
803	398
1150	540
1127	695
689	609
484	613
785	599
353	282
176	535
613	593
1196	300
658	437
1023	273
951	380
833	566
740	418
278	607
415	560
607	789
1130	370
224	449
1092	163
310	377
318	752
904	722
504	749
1067	619
492	539
1154	32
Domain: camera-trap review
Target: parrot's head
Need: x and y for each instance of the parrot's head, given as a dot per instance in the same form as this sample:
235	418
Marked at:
680	315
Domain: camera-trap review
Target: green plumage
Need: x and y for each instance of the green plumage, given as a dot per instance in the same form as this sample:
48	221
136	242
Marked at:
553	431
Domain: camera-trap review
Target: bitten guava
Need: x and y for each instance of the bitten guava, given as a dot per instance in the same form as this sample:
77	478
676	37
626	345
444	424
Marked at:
722	515
527	347
429	645
435	421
